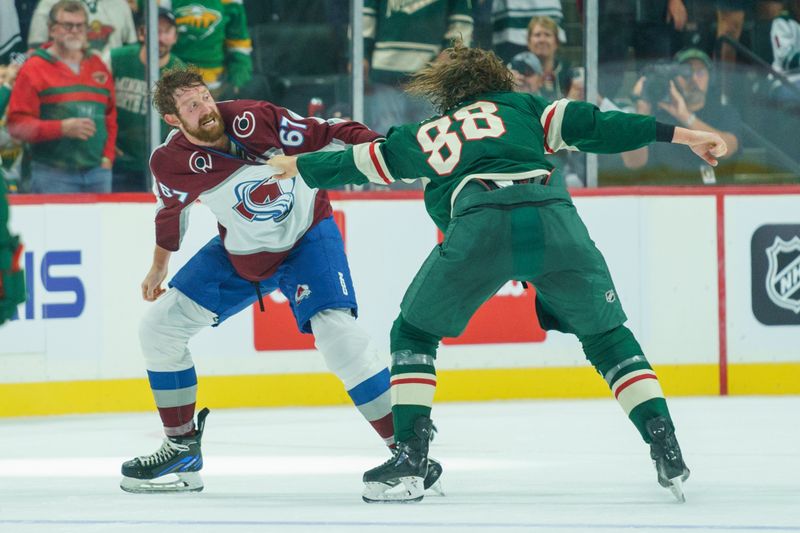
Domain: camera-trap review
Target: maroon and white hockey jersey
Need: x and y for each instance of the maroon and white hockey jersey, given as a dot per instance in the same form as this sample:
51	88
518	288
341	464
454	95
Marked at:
259	220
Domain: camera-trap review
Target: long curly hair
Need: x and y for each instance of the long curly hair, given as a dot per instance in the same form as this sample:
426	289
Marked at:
459	74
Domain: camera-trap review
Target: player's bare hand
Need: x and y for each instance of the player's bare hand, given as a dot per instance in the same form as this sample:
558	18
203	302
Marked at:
286	164
78	128
151	286
708	146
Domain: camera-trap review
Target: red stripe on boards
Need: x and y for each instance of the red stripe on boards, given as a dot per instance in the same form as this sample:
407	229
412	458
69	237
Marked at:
632	381
403	381
721	291
376	163
389	195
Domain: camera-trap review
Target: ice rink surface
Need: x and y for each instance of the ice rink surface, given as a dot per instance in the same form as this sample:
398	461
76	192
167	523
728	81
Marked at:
561	466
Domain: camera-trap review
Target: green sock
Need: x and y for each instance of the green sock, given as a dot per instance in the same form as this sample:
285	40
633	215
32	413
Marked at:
413	381
618	358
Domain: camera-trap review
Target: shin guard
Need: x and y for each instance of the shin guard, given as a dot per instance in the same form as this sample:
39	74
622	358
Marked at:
618	358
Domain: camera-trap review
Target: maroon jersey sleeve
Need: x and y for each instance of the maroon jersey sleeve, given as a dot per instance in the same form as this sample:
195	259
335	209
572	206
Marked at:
173	202
296	134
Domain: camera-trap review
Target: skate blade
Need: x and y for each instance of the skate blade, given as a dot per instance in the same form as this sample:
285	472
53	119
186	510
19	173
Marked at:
435	489
407	490
183	482
676	488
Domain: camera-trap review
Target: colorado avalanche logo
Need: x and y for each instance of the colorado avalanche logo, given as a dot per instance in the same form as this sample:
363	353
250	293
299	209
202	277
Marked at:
301	293
244	125
265	199
199	162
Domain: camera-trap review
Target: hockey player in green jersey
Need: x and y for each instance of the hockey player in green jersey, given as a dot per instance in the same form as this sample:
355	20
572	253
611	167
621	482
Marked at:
506	215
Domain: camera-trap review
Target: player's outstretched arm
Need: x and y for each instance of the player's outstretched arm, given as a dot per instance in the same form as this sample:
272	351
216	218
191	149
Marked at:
708	146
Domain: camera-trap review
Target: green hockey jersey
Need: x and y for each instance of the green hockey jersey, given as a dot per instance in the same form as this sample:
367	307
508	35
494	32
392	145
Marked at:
502	137
212	34
401	36
132	101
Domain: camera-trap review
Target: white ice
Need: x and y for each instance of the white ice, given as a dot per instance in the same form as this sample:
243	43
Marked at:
562	466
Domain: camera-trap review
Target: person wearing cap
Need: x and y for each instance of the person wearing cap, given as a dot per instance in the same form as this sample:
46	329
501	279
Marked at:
528	71
690	105
128	68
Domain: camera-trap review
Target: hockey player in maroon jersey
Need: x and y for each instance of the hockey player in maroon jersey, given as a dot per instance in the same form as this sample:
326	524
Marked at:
271	235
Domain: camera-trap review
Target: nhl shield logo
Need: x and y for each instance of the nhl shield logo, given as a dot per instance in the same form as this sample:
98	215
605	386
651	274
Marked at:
783	273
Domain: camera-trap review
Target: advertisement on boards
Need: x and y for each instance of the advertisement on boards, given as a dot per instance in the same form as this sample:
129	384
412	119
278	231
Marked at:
60	262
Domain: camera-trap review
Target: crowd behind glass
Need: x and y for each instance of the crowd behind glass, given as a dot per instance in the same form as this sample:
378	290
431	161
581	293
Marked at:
74	100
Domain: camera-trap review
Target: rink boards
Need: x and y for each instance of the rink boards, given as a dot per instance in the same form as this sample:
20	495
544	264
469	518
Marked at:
709	278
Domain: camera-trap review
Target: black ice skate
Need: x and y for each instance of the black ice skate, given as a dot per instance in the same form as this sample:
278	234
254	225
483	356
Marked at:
402	478
175	467
666	455
431	481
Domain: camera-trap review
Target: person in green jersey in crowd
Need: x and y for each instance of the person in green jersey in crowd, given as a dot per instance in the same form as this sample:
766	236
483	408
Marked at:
213	36
506	215
133	98
12	279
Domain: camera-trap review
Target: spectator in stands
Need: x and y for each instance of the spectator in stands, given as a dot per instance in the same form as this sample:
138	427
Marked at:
12	49
10	148
731	15
213	36
25	9
684	99
12	279
110	24
63	104
400	40
510	20
527	70
785	39
128	69
10	39
543	41
650	27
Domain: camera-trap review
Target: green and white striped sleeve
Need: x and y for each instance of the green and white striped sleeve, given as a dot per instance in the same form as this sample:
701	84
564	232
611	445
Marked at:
574	125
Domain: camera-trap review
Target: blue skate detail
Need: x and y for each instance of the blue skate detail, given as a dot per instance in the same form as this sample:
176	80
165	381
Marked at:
179	466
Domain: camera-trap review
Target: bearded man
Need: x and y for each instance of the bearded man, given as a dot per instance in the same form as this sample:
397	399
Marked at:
63	105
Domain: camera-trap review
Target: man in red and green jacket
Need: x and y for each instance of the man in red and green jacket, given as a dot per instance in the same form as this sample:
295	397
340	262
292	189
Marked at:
63	105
